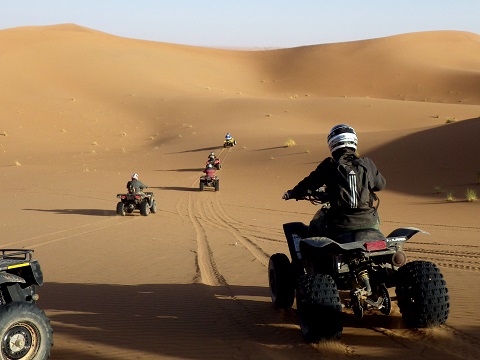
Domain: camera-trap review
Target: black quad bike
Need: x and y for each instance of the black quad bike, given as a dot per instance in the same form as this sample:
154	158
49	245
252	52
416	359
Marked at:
144	201
209	181
25	330
360	265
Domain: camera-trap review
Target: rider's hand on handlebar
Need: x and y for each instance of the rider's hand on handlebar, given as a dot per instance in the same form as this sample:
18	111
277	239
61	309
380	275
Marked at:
287	195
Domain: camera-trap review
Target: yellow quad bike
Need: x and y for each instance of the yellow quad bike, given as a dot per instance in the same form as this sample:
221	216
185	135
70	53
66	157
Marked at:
25	330
229	143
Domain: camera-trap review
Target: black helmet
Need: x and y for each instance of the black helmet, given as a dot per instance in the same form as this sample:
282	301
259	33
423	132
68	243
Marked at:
342	136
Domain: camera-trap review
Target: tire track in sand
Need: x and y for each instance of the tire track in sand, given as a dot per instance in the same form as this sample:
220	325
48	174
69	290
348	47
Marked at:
69	233
219	218
464	257
207	271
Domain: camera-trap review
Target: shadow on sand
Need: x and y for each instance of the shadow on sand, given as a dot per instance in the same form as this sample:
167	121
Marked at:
177	188
162	319
211	148
185	170
90	212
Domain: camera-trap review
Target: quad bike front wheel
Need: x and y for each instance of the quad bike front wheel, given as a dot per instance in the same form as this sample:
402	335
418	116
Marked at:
280	279
121	209
422	294
25	332
319	308
144	208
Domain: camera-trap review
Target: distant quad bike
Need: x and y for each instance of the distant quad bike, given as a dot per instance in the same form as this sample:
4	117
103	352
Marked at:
215	163
144	201
25	330
209	181
363	265
229	143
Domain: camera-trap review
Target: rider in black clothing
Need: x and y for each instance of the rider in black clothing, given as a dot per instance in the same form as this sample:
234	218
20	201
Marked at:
350	182
135	186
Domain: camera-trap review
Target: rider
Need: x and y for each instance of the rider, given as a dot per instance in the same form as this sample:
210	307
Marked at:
135	185
228	137
350	184
211	157
210	171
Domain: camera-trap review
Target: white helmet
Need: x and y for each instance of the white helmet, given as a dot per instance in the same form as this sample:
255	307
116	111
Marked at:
342	136
209	166
134	176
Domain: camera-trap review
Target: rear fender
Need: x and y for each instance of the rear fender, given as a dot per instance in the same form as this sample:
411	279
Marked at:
403	234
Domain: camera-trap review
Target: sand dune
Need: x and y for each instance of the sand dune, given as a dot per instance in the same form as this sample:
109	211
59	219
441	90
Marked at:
80	110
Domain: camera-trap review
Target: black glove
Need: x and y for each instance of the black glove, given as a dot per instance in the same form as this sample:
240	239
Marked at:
287	195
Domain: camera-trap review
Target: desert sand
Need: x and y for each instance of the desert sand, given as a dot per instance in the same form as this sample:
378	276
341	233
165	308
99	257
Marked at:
80	110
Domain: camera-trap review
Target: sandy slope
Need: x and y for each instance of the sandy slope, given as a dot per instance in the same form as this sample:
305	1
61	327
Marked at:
81	110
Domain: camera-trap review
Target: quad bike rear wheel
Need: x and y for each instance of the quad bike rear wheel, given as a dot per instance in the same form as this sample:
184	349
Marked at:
280	279
217	185
422	294
121	209
202	186
319	308
153	207
25	332
144	208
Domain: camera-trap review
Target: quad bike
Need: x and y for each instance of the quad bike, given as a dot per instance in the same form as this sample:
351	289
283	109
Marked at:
363	265
215	163
144	201
25	330
209	181
229	143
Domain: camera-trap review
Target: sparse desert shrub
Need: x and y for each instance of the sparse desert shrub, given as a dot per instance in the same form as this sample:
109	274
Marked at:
289	143
17	163
438	189
94	143
3	133
450	197
451	120
471	195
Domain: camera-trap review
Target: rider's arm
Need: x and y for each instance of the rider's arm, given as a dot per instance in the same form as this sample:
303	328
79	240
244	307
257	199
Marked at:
378	181
316	179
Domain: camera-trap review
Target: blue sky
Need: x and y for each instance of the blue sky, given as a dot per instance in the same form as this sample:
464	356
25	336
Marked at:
248	23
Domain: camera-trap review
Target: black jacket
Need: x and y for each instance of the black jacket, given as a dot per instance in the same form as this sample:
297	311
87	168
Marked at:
345	212
135	186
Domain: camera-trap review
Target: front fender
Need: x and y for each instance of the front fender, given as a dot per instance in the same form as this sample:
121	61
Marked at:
10	278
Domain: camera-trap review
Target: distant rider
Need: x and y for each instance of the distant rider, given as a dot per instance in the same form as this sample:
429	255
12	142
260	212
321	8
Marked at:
135	186
350	184
211	157
228	137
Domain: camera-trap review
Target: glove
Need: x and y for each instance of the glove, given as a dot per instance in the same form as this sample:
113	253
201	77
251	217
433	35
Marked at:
287	195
